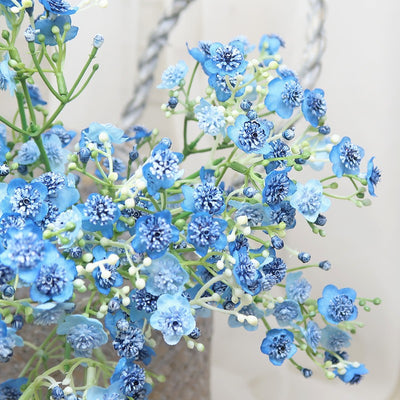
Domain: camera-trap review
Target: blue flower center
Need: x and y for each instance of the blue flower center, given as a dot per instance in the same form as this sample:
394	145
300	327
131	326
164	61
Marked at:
341	308
26	201
228	58
350	155
280	347
9	393
252	136
204	231
129	342
375	176
317	104
51	280
292	94
145	301
310	201
156	232
133	380
100	209
59	6
106	283
83	337
164	164
208	198
277	189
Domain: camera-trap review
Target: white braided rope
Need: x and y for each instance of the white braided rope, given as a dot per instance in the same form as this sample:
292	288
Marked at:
309	71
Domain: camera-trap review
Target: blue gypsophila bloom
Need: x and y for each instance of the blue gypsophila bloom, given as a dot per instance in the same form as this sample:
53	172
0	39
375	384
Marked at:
11	389
128	342
334	339
251	136
154	233
162	169
201	53
142	304
287	312
54	280
57	155
338	305
255	213
64	135
270	44
309	200
346	158
26	199
312	335
373	176
314	106
8	340
173	318
35	96
284	72
99	214
58	7
222	90
44	27
24	251
251	309
245	272
111	393
10	220
226	60
284	95
92	134
7	76
166	276
28	153
278	345
353	375
105	283
173	75
273	273
279	149
83	334
7	274
51	313
204	232
211	118
140	133
3	146
297	288
239	242
281	212
277	187
60	222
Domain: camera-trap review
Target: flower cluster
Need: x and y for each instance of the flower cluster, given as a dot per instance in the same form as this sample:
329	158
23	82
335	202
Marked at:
150	248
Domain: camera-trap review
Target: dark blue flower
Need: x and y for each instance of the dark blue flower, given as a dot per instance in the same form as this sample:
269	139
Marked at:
346	157
284	95
154	233
245	272
129	342
373	176
277	187
353	375
58	7
278	345
173	318
11	389
35	96
54	280
162	169
140	133
44	27
279	149
314	106
7	274
281	212
337	305
204	232
64	135
251	136
273	272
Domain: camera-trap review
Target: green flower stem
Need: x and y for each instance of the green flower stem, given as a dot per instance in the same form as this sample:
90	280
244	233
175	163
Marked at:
303	267
266	324
191	81
21	109
299	367
89	78
89	175
225	168
43	154
28	101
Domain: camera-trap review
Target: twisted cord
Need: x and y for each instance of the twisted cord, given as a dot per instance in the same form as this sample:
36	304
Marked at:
309	72
148	62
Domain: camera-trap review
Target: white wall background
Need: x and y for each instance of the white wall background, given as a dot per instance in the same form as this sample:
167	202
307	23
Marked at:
361	80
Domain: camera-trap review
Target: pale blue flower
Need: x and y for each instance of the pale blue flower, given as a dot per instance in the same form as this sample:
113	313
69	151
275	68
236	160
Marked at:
211	118
173	75
7	76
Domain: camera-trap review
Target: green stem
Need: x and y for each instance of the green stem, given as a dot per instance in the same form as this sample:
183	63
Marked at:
43	154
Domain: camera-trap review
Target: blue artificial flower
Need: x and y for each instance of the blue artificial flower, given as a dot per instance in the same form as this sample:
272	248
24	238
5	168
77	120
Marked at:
11	389
173	318
204	232
7	274
111	393
251	136
162	170
284	95
166	276
64	135
373	176
7	75
35	96
83	334
255	213
279	149
10	220
58	7
57	155
251	309
337	305
334	339
245	273
287	312
8	340
211	118
281	212
226	60
297	288
92	134
154	233
277	187
353	375
26	199
44	27
28	153
278	345
142	304
201	53
272	273
4	149
54	280
129	341
25	251
51	313
312	335
313	106
270	44
222	89
140	133
346	158
104	284
67	238
99	213
173	75
309	200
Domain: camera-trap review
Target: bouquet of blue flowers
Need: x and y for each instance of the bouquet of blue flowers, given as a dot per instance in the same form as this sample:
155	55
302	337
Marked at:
105	249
